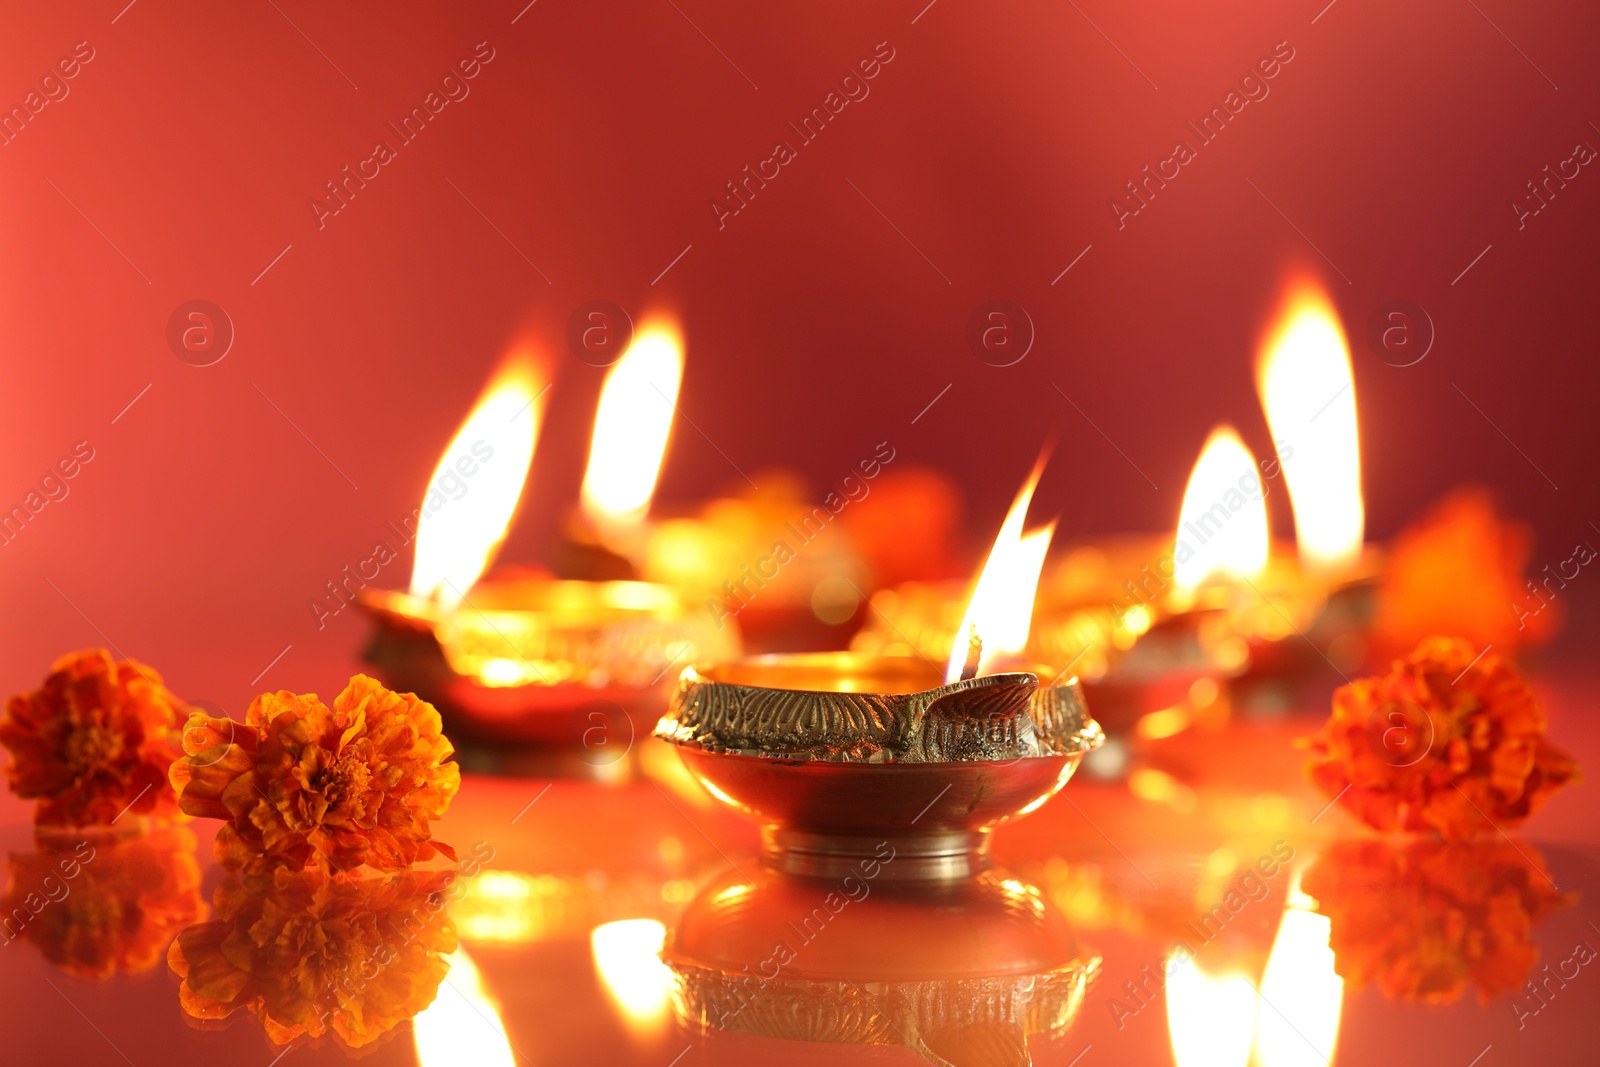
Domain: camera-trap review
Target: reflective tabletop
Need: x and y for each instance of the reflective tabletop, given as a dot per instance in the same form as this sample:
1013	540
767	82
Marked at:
1197	905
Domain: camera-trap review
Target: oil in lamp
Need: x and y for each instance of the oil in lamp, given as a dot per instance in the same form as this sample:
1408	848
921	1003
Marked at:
839	755
518	657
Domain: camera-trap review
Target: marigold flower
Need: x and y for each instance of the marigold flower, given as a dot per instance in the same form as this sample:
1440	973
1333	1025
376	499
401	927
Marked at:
1460	568
1421	919
312	954
94	741
1451	739
299	784
105	907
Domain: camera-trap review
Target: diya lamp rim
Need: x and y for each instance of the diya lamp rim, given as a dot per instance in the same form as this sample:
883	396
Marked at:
1026	718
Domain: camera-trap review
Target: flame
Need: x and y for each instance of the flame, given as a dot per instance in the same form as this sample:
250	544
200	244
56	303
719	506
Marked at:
631	427
474	489
1001	609
1301	996
1209	1018
1306	386
627	956
462	1026
1223	521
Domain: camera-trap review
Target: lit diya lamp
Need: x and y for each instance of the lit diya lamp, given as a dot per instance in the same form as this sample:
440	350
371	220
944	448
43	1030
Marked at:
842	755
521	657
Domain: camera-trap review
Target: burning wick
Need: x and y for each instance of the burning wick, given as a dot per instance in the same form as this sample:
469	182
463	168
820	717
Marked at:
969	669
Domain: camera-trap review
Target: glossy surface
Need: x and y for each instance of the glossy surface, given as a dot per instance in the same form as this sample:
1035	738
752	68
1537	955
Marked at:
561	970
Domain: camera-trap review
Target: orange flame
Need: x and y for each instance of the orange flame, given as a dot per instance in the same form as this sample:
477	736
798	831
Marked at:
1307	387
631	427
1301	994
1001	609
1222	525
627	955
462	1027
475	488
1210	1019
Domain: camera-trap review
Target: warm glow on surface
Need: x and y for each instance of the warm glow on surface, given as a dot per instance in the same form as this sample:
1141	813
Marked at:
474	490
1306	386
631	427
1222	525
1001	609
627	956
462	1027
1298	1021
1209	1018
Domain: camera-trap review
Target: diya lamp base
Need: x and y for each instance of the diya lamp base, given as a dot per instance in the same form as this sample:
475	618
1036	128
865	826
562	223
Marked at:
939	856
846	758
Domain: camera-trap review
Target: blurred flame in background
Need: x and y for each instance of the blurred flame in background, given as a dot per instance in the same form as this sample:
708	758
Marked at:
462	1027
1001	609
631	427
1307	388
627	957
1210	1018
1226	540
460	529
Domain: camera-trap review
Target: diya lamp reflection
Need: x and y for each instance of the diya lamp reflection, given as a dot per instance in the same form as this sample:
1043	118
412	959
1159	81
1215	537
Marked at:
520	657
966	972
841	755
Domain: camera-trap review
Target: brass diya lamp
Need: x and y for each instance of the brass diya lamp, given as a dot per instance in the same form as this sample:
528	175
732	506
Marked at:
838	755
520	657
965	972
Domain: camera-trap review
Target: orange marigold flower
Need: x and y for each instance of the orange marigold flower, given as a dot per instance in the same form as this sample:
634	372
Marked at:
94	741
106	907
1421	919
1459	568
299	784
1451	739
312	954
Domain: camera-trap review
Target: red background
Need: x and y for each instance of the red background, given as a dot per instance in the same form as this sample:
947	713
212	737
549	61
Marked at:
595	141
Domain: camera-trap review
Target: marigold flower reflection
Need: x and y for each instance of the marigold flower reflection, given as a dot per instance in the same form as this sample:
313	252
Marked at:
1308	390
462	1027
1000	612
1223	520
631	427
627	956
1209	1018
475	488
